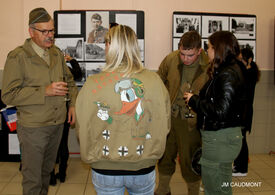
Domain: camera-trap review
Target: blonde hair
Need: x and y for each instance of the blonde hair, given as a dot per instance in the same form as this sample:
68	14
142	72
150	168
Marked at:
123	54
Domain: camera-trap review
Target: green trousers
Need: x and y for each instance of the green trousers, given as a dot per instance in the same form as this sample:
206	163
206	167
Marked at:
38	149
219	150
182	142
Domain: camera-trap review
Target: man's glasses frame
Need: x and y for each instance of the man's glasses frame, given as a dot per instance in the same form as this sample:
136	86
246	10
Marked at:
44	32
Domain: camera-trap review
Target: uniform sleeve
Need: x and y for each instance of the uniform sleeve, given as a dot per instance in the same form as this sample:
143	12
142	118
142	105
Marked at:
163	70
13	90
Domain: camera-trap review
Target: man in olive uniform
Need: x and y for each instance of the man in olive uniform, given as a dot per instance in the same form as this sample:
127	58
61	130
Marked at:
182	70
37	81
98	33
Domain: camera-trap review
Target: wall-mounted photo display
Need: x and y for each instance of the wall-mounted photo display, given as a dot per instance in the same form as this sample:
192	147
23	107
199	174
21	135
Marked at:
183	23
81	33
71	46
211	24
243	27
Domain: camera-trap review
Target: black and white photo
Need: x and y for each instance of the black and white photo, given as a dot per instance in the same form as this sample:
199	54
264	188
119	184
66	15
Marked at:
127	19
95	52
176	43
243	27
248	43
185	23
71	46
94	68
69	24
97	25
211	24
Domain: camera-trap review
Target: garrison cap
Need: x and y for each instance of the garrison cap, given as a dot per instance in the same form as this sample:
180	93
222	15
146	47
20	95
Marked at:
38	15
96	16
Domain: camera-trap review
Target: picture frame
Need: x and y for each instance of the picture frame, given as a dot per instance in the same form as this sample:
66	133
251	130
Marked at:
94	52
71	46
94	68
213	23
243	27
97	25
184	23
248	43
69	24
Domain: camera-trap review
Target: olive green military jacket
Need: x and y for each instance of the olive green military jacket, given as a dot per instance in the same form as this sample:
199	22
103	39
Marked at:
25	78
170	71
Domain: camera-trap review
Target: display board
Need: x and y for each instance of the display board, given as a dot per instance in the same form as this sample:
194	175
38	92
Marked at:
80	33
242	25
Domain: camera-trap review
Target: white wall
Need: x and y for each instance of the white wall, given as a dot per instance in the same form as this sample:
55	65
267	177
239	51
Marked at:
158	22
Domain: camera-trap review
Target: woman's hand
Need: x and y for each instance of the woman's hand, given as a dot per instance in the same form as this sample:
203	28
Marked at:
187	96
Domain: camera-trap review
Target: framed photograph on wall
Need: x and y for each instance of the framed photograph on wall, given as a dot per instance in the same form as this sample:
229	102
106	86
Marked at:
69	24
97	25
127	19
95	52
72	47
248	43
243	27
211	24
185	23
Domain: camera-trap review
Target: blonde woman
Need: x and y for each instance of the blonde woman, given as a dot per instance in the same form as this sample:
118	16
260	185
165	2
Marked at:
123	118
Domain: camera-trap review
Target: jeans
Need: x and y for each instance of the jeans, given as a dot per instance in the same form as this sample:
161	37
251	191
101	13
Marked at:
116	184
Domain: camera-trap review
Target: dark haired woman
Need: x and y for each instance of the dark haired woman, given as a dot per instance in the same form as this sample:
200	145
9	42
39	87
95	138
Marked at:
220	108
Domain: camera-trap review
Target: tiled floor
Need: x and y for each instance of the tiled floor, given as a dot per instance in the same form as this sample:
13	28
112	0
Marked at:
261	177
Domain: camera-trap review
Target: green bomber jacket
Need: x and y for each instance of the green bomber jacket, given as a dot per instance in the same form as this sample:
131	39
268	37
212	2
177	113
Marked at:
122	122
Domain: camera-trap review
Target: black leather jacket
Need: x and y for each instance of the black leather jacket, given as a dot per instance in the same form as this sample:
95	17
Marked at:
222	101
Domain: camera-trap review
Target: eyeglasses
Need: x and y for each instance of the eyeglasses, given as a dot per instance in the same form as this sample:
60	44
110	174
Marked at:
45	32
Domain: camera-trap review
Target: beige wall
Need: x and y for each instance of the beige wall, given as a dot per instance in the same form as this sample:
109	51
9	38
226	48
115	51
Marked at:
158	22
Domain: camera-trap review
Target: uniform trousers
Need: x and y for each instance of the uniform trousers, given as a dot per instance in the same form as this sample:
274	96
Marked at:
219	149
38	149
181	142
